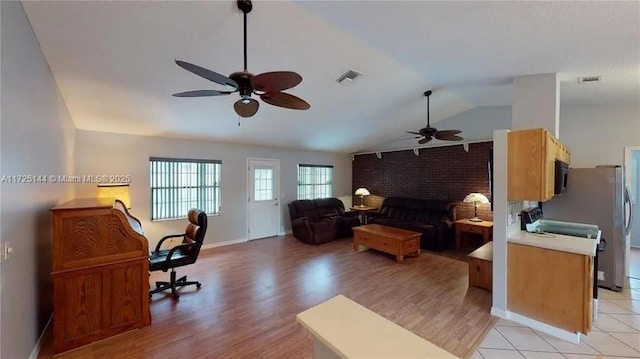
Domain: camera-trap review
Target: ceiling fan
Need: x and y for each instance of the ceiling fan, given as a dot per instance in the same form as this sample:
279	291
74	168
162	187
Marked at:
268	86
428	133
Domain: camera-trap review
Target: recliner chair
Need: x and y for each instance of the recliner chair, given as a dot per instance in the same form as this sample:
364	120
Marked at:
183	254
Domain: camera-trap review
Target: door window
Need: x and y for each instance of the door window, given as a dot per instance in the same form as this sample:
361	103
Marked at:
263	184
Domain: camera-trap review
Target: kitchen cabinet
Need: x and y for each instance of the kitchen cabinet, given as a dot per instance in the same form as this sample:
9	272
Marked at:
531	164
551	286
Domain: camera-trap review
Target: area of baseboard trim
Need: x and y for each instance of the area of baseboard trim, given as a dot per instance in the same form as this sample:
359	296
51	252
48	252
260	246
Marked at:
222	244
36	350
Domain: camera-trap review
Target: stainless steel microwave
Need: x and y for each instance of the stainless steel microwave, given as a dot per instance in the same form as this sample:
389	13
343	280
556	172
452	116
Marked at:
561	177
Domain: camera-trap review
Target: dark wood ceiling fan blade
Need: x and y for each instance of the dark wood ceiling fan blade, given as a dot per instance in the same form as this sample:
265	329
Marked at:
448	132
414	133
201	93
207	74
283	99
450	138
425	140
246	109
275	81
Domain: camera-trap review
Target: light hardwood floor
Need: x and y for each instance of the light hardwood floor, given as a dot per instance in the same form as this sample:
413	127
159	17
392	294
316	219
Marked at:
251	293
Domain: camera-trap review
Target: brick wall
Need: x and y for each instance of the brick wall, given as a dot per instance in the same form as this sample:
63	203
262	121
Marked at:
443	173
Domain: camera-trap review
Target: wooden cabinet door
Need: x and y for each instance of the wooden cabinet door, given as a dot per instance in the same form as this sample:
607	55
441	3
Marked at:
525	164
122	288
531	164
78	302
550	286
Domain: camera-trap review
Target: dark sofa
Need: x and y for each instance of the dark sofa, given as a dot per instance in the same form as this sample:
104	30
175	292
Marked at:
434	219
321	220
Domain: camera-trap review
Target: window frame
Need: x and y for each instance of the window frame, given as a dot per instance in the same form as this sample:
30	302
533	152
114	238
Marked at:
201	185
314	185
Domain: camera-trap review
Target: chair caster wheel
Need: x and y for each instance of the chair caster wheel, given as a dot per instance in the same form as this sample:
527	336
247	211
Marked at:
198	285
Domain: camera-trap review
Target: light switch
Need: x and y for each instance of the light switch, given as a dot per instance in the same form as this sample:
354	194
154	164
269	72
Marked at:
7	250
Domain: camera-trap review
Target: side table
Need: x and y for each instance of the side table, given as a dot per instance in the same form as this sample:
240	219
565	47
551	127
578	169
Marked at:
465	227
362	210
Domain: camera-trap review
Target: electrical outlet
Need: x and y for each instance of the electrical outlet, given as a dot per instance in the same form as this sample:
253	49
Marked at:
7	250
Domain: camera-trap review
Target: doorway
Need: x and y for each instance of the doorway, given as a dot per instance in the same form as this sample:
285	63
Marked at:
632	165
264	206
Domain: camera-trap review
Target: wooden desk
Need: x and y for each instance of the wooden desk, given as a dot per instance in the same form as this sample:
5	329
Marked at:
343	328
362	210
100	272
466	227
481	267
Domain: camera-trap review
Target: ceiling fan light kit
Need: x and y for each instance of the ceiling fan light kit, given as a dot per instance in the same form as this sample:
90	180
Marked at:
268	86
428	133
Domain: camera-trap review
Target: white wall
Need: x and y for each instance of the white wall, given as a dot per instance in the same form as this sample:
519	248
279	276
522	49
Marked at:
597	134
115	154
36	139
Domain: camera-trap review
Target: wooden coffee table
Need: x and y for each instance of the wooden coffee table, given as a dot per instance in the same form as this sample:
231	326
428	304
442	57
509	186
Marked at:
395	241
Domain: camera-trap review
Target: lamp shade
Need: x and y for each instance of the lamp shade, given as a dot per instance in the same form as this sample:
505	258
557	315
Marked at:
362	192
476	198
117	191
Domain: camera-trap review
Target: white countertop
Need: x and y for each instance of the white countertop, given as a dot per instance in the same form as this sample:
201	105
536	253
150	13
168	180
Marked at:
558	242
353	331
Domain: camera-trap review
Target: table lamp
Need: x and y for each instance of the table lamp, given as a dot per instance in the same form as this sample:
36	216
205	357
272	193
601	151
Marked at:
118	191
362	192
475	198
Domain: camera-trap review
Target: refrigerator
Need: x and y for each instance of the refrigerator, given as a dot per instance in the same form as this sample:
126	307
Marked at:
598	196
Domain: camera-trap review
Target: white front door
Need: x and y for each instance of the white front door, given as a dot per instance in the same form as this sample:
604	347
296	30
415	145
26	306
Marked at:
264	207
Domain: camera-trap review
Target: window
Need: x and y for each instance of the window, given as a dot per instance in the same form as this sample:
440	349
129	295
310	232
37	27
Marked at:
178	185
263	184
315	181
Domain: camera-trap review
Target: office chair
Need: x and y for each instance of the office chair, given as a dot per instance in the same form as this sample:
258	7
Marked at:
183	254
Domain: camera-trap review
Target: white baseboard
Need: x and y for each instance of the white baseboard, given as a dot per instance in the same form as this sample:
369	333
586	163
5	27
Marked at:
532	323
543	327
222	244
234	241
498	313
36	350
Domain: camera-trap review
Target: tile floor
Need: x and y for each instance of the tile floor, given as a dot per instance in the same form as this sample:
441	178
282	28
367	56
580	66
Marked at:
616	334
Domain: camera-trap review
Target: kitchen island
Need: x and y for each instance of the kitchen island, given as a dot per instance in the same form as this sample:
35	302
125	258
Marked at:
550	279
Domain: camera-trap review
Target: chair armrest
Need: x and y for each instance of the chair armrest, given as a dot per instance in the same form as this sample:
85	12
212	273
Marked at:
165	238
181	247
444	227
300	221
324	225
301	224
446	224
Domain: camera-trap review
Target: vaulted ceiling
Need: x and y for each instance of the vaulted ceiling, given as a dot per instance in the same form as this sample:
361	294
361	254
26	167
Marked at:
114	63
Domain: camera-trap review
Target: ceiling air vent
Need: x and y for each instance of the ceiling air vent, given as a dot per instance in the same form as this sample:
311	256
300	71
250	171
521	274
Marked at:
589	79
348	77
